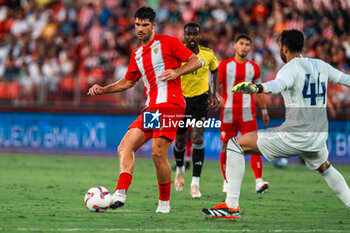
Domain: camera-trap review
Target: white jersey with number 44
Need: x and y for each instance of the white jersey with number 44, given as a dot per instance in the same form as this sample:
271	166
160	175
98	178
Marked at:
303	85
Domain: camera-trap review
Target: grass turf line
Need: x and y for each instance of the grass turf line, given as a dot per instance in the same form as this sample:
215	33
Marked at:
45	193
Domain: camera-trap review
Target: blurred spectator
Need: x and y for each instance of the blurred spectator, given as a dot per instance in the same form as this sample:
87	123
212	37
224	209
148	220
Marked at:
43	42
51	71
28	86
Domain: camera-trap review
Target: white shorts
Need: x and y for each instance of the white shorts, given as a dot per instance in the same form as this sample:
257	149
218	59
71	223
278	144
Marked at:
272	147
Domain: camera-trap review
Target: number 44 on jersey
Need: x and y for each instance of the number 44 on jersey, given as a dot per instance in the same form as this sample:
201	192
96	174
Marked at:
312	91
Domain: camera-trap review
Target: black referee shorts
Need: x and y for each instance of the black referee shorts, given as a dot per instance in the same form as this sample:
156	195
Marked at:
196	108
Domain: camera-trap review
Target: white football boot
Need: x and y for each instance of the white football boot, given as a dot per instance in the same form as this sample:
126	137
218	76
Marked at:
163	207
118	199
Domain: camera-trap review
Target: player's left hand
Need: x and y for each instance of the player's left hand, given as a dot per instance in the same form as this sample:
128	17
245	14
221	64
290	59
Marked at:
246	88
168	75
214	102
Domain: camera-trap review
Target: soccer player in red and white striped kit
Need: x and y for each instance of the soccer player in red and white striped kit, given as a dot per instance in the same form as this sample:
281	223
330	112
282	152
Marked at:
238	112
158	63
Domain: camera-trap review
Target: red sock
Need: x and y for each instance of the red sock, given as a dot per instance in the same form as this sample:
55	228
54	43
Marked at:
256	164
164	191
223	164
124	181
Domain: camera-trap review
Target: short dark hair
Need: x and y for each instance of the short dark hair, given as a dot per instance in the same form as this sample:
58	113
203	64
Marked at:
293	39
243	36
145	13
192	24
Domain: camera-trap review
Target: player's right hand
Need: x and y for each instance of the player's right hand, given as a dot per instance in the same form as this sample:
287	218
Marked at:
95	90
168	75
247	88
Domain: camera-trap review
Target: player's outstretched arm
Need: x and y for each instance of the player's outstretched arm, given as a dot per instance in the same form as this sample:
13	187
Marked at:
118	86
248	88
193	63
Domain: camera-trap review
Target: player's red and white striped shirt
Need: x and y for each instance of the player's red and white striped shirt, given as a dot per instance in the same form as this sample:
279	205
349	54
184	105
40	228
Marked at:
237	107
148	62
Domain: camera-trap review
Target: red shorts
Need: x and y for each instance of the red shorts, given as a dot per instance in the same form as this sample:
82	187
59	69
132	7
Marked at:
163	123
230	130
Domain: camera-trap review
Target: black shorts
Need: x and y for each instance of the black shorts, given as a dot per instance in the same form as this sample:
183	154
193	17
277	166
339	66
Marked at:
196	108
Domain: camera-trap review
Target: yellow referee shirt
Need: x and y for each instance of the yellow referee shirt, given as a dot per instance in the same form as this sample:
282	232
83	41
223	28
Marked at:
196	83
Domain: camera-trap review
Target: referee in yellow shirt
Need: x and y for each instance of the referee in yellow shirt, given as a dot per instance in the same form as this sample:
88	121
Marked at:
196	90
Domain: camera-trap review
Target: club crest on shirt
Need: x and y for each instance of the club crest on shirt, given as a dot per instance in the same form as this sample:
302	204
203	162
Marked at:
223	134
156	49
250	72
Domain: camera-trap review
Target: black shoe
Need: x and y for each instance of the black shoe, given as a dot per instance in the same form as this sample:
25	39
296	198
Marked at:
118	200
221	211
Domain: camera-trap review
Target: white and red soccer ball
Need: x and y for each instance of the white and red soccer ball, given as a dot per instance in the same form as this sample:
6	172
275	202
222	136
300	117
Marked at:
97	199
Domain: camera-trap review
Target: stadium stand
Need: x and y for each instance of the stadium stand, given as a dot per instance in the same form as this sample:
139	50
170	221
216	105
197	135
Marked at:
51	51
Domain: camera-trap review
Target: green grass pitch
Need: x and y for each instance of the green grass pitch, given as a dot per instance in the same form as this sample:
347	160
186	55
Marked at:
45	194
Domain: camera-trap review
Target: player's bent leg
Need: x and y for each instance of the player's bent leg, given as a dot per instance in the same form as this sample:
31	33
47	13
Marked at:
336	182
256	162
257	166
248	143
223	159
235	169
223	165
160	147
131	142
198	160
188	151
179	153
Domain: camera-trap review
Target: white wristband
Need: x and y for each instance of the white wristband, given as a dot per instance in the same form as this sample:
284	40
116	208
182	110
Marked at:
264	111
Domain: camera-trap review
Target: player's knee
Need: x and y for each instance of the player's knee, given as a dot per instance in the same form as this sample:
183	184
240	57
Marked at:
180	141
122	148
198	140
324	167
158	158
180	145
233	144
248	143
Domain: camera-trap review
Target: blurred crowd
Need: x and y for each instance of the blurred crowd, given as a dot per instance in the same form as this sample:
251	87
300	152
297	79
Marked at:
53	50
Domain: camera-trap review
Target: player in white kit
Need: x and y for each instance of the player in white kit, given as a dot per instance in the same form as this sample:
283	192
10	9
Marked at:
303	85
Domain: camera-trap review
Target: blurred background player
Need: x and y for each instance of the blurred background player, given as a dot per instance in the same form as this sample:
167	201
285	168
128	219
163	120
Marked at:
195	89
238	112
188	152
303	85
158	62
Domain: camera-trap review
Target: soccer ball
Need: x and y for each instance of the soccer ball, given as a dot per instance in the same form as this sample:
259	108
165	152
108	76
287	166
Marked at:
281	163
97	199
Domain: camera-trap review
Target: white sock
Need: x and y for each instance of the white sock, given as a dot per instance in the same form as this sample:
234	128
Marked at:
259	180
195	180
235	168
337	183
180	169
